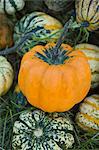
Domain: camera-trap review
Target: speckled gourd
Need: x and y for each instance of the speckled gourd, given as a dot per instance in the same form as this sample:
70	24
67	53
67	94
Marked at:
38	130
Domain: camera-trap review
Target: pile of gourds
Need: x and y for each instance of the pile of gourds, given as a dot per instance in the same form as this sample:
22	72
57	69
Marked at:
53	75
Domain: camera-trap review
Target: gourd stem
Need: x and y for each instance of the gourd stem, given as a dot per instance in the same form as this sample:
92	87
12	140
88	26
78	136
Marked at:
62	37
13	49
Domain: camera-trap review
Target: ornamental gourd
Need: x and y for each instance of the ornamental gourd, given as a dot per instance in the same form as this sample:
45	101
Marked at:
88	116
37	130
57	5
6	75
11	6
92	53
54	77
87	13
44	28
6	33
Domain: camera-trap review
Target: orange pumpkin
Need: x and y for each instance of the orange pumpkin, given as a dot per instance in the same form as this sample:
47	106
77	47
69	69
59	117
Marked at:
6	34
54	83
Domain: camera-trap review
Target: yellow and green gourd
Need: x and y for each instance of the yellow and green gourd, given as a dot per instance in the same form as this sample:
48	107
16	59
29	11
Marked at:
6	75
87	13
38	130
92	53
88	116
44	28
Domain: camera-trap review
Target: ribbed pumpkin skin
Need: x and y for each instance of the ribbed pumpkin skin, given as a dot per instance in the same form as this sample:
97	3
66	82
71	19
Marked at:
6	75
87	12
54	88
11	6
37	130
56	5
42	26
92	53
88	116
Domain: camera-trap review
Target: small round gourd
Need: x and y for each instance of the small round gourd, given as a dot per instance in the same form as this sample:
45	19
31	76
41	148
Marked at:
87	13
44	28
11	6
57	5
88	116
37	130
92	53
6	75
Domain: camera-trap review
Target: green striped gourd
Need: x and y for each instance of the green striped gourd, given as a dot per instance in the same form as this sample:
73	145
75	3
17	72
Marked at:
11	6
44	28
37	130
88	116
87	13
92	53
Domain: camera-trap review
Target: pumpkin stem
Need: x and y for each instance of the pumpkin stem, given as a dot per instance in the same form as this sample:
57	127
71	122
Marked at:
57	55
62	37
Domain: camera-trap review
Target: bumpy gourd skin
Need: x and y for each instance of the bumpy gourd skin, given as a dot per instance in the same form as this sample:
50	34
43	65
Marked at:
87	13
92	53
6	75
88	116
54	87
37	130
